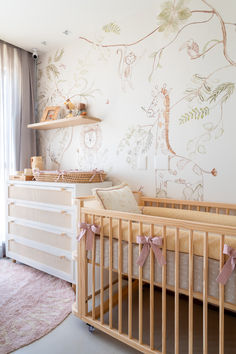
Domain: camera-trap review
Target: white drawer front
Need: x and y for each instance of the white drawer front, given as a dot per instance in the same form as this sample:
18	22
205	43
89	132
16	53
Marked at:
60	263
61	241
60	196
50	217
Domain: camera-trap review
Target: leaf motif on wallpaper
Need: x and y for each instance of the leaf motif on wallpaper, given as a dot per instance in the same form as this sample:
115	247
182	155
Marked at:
195	113
209	126
226	88
172	15
206	46
58	55
137	140
52	70
219	132
204	91
111	27
201	149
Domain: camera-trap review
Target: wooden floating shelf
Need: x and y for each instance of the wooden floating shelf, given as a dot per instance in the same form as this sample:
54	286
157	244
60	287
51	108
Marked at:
63	123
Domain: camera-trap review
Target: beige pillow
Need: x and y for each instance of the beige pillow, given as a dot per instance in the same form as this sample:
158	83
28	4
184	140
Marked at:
119	198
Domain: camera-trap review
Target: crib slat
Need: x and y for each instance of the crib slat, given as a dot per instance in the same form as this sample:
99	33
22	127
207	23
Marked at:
205	294
221	293
151	293
130	279
177	291
86	277
164	293
140	292
93	276
120	275
110	272
101	270
190	314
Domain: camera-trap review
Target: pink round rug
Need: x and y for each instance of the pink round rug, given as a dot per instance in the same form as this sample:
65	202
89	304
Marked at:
32	303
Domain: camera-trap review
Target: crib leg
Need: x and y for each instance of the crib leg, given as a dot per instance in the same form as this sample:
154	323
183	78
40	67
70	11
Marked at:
90	328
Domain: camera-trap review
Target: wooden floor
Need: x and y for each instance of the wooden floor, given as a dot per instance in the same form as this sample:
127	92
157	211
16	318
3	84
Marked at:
213	319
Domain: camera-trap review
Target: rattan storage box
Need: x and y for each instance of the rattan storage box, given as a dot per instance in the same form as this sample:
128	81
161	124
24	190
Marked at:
72	176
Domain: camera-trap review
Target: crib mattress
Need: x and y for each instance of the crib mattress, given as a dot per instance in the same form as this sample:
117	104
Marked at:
198	236
213	269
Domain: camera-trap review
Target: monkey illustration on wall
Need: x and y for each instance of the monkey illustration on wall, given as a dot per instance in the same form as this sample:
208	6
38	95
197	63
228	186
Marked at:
127	60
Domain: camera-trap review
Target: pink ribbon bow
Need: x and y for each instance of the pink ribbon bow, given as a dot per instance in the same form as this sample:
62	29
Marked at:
150	242
88	230
229	265
96	172
60	174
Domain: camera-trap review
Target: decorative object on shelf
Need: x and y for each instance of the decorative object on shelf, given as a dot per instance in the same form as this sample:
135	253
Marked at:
63	123
50	113
73	111
71	176
36	162
82	111
70	107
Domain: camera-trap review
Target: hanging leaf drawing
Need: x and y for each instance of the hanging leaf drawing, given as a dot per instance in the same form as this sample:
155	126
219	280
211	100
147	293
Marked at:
195	113
111	27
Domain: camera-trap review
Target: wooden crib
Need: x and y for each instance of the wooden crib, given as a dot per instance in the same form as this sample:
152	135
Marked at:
113	284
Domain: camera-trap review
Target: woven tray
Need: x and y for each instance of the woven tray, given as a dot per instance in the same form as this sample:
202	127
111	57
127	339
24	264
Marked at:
94	176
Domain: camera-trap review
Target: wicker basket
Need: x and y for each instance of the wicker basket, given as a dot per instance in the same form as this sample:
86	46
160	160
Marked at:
74	176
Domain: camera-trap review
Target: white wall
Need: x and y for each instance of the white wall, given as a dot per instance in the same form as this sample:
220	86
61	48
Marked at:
192	61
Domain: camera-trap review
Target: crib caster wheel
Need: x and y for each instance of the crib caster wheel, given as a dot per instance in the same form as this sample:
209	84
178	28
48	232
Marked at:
90	328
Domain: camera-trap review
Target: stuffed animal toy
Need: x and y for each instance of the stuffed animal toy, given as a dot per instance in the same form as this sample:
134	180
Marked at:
82	109
70	107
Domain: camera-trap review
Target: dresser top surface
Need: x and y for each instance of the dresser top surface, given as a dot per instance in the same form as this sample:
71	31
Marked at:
60	185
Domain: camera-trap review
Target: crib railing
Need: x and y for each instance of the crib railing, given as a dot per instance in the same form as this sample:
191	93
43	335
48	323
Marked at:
103	308
218	208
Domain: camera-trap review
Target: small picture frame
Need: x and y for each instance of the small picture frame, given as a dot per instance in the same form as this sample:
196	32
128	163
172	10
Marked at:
50	113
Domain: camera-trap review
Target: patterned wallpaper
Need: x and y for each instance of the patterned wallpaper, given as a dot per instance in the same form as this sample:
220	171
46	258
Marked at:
163	83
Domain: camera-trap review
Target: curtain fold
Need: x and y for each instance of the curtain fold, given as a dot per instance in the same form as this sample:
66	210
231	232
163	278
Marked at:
17	97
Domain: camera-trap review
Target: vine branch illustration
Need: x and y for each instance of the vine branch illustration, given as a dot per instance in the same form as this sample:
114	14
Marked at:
224	33
121	44
213	13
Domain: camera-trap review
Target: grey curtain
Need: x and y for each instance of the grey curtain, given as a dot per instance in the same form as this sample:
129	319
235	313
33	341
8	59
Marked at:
17	109
19	69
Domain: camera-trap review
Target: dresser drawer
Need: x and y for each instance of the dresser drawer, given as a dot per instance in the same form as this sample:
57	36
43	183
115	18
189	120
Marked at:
60	263
58	196
58	240
51	217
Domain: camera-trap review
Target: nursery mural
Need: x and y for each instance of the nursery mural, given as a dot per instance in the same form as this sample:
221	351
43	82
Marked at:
165	90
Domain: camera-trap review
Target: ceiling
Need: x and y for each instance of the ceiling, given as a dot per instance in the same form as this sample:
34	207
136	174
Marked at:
40	24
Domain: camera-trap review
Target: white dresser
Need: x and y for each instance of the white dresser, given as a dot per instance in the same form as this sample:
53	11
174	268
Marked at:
42	224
